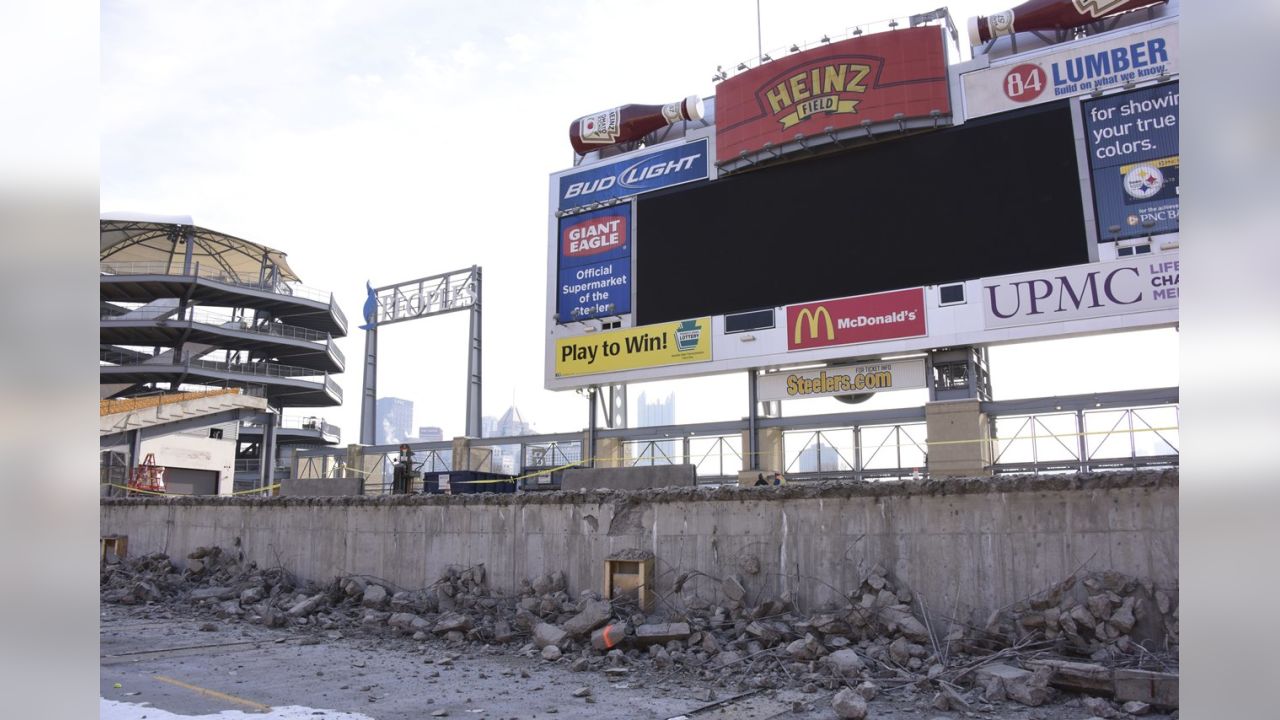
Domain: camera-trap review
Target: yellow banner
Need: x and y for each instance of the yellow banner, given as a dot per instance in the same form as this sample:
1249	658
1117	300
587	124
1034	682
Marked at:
1160	163
633	348
829	104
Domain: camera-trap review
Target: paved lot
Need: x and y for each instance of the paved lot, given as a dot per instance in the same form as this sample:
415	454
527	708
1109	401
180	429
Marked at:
159	658
172	665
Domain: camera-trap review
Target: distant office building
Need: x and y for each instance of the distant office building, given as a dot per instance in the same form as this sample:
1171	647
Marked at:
655	413
427	433
506	458
818	457
512	423
395	420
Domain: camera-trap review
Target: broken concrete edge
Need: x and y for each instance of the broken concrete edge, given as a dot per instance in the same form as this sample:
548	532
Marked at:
1149	479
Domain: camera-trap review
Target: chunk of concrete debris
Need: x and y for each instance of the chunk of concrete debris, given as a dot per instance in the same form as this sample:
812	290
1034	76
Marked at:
546	634
1001	681
732	588
726	658
551	653
375	596
849	704
899	617
582	692
307	606
1071	675
214	593
846	662
1153	688
451	621
764	630
594	614
608	636
1100	708
662	632
868	690
1123	618
1133	707
502	632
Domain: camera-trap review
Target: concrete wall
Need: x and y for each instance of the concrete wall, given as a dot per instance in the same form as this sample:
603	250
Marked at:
967	545
321	487
642	477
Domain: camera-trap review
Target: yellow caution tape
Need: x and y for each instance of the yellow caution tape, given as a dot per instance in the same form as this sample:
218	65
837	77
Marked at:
136	490
167	494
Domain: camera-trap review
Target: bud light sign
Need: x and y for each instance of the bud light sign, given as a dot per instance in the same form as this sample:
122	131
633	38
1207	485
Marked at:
671	166
1133	159
595	264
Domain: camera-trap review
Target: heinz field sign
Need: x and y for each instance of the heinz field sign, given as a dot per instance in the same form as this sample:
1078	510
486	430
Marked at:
840	85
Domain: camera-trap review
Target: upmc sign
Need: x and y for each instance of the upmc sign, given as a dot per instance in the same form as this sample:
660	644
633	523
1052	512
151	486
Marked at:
871	78
1082	291
861	319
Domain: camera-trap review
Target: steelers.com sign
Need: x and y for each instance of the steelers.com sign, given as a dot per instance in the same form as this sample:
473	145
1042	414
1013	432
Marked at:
1132	139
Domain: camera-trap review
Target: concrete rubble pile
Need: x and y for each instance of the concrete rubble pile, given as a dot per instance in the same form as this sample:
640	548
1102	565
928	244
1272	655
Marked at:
872	645
1096	616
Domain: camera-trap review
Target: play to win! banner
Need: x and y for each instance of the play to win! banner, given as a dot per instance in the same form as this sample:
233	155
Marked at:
634	348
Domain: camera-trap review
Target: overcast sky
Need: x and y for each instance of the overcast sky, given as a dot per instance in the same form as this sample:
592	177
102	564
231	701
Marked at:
386	141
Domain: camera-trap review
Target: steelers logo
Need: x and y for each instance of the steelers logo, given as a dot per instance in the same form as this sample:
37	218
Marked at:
1132	220
1143	181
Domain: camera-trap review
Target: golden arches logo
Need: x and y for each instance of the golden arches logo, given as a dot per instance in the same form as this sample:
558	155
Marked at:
812	316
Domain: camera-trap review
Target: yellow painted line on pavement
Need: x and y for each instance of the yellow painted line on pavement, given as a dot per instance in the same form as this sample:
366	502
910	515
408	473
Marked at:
214	693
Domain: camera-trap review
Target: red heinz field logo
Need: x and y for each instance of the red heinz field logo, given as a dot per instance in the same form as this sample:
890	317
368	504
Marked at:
866	318
1024	82
593	236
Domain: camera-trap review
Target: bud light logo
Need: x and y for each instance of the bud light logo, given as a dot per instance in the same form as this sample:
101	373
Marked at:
681	163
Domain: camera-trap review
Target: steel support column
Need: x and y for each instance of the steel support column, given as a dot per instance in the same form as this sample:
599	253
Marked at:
189	236
473	364
753	430
369	395
592	392
267	452
135	452
1082	446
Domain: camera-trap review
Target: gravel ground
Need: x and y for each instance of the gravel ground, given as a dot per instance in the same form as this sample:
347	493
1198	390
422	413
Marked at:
157	657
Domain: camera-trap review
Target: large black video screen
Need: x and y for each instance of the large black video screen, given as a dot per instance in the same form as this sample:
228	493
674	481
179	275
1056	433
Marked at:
991	197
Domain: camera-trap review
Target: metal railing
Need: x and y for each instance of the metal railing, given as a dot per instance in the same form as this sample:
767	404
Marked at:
302	422
220	320
1082	440
258	369
216	274
254	465
1131	429
861	452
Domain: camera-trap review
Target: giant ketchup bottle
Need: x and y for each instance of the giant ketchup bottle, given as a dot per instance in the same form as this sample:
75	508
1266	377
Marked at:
629	122
1048	15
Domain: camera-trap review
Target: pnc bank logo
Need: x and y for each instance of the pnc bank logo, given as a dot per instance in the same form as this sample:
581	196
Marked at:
812	317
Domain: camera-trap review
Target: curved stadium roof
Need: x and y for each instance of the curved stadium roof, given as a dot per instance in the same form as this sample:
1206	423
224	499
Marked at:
137	237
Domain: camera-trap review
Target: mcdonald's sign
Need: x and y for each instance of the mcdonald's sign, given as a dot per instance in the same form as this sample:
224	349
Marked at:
860	319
